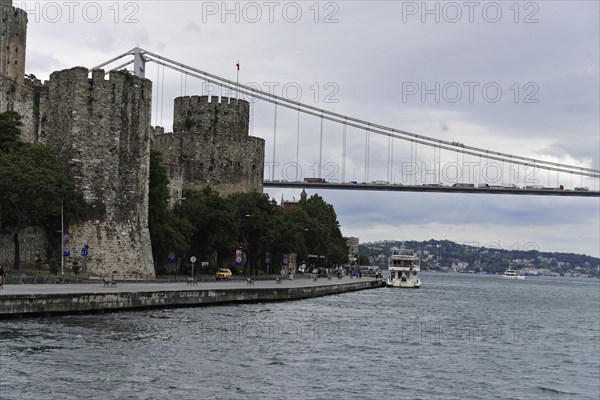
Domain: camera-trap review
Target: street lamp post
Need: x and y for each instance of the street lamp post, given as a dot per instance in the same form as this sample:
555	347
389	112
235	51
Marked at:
62	238
193	260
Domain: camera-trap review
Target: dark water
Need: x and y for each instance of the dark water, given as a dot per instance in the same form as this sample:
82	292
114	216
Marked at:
460	336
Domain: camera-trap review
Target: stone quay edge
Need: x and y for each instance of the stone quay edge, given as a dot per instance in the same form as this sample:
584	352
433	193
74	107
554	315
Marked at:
18	301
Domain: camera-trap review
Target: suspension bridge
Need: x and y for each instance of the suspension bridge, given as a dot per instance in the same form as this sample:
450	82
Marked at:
393	160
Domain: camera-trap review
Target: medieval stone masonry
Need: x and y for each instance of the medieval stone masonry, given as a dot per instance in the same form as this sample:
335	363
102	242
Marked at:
101	127
210	147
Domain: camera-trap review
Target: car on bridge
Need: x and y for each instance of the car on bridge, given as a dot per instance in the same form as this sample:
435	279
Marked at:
464	185
315	180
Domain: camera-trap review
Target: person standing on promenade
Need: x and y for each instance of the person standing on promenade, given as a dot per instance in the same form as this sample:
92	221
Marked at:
2	277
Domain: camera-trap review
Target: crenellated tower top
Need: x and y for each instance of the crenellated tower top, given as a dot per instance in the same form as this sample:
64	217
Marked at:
211	116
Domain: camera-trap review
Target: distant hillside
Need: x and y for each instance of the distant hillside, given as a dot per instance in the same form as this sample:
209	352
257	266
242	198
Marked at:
444	255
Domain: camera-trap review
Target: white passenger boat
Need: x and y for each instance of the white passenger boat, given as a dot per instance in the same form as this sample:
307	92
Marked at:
512	274
404	270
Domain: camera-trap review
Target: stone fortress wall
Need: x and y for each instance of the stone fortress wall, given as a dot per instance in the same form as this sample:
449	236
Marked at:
210	147
101	127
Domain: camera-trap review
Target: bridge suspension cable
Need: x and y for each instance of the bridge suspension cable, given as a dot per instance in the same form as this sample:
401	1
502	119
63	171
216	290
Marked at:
148	56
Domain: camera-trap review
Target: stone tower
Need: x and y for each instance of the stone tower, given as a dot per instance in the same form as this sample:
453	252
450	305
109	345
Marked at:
18	93
210	147
101	128
13	38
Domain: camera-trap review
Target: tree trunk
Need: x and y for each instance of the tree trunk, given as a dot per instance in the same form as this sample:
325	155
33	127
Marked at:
17	263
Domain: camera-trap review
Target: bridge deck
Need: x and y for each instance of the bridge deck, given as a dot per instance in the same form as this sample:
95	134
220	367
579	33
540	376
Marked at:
436	189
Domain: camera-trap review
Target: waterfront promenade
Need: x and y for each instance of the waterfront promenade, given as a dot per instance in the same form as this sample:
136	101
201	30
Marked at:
51	299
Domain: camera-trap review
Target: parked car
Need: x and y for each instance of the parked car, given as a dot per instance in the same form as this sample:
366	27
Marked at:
224	274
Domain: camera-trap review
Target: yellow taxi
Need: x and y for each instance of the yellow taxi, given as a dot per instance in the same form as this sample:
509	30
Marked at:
224	274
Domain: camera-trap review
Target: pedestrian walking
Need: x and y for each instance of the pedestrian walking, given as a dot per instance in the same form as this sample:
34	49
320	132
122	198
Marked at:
2	277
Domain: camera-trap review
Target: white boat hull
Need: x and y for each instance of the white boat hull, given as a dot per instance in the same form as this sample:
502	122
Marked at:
513	276
409	284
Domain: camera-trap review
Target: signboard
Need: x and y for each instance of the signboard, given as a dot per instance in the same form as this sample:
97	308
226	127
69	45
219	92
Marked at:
171	257
238	256
84	252
67	245
193	259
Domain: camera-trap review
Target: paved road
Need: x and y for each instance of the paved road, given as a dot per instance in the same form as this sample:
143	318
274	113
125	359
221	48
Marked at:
179	286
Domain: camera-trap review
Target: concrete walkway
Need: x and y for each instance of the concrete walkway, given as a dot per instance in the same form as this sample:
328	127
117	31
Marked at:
139	287
46	300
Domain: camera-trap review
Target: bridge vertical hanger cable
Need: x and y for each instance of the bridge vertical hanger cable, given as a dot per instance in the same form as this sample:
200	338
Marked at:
274	142
367	151
389	159
162	95
392	166
320	150
439	166
434	168
157	93
462	168
571	179
252	118
411	161
479	172
344	153
298	142
416	144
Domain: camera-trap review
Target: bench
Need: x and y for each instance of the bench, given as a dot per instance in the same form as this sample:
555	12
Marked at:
278	279
249	281
109	282
192	281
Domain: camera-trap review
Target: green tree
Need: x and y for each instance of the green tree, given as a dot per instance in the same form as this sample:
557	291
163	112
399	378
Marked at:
363	260
10	131
256	217
214	223
168	231
53	266
75	268
33	187
322	233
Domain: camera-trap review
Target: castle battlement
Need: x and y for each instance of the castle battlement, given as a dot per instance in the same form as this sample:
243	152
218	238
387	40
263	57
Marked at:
211	115
210	146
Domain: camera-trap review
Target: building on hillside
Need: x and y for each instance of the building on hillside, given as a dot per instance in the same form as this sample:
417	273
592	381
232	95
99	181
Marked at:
352	243
289	206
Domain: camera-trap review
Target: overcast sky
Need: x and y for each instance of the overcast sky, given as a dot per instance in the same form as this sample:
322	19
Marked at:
521	78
